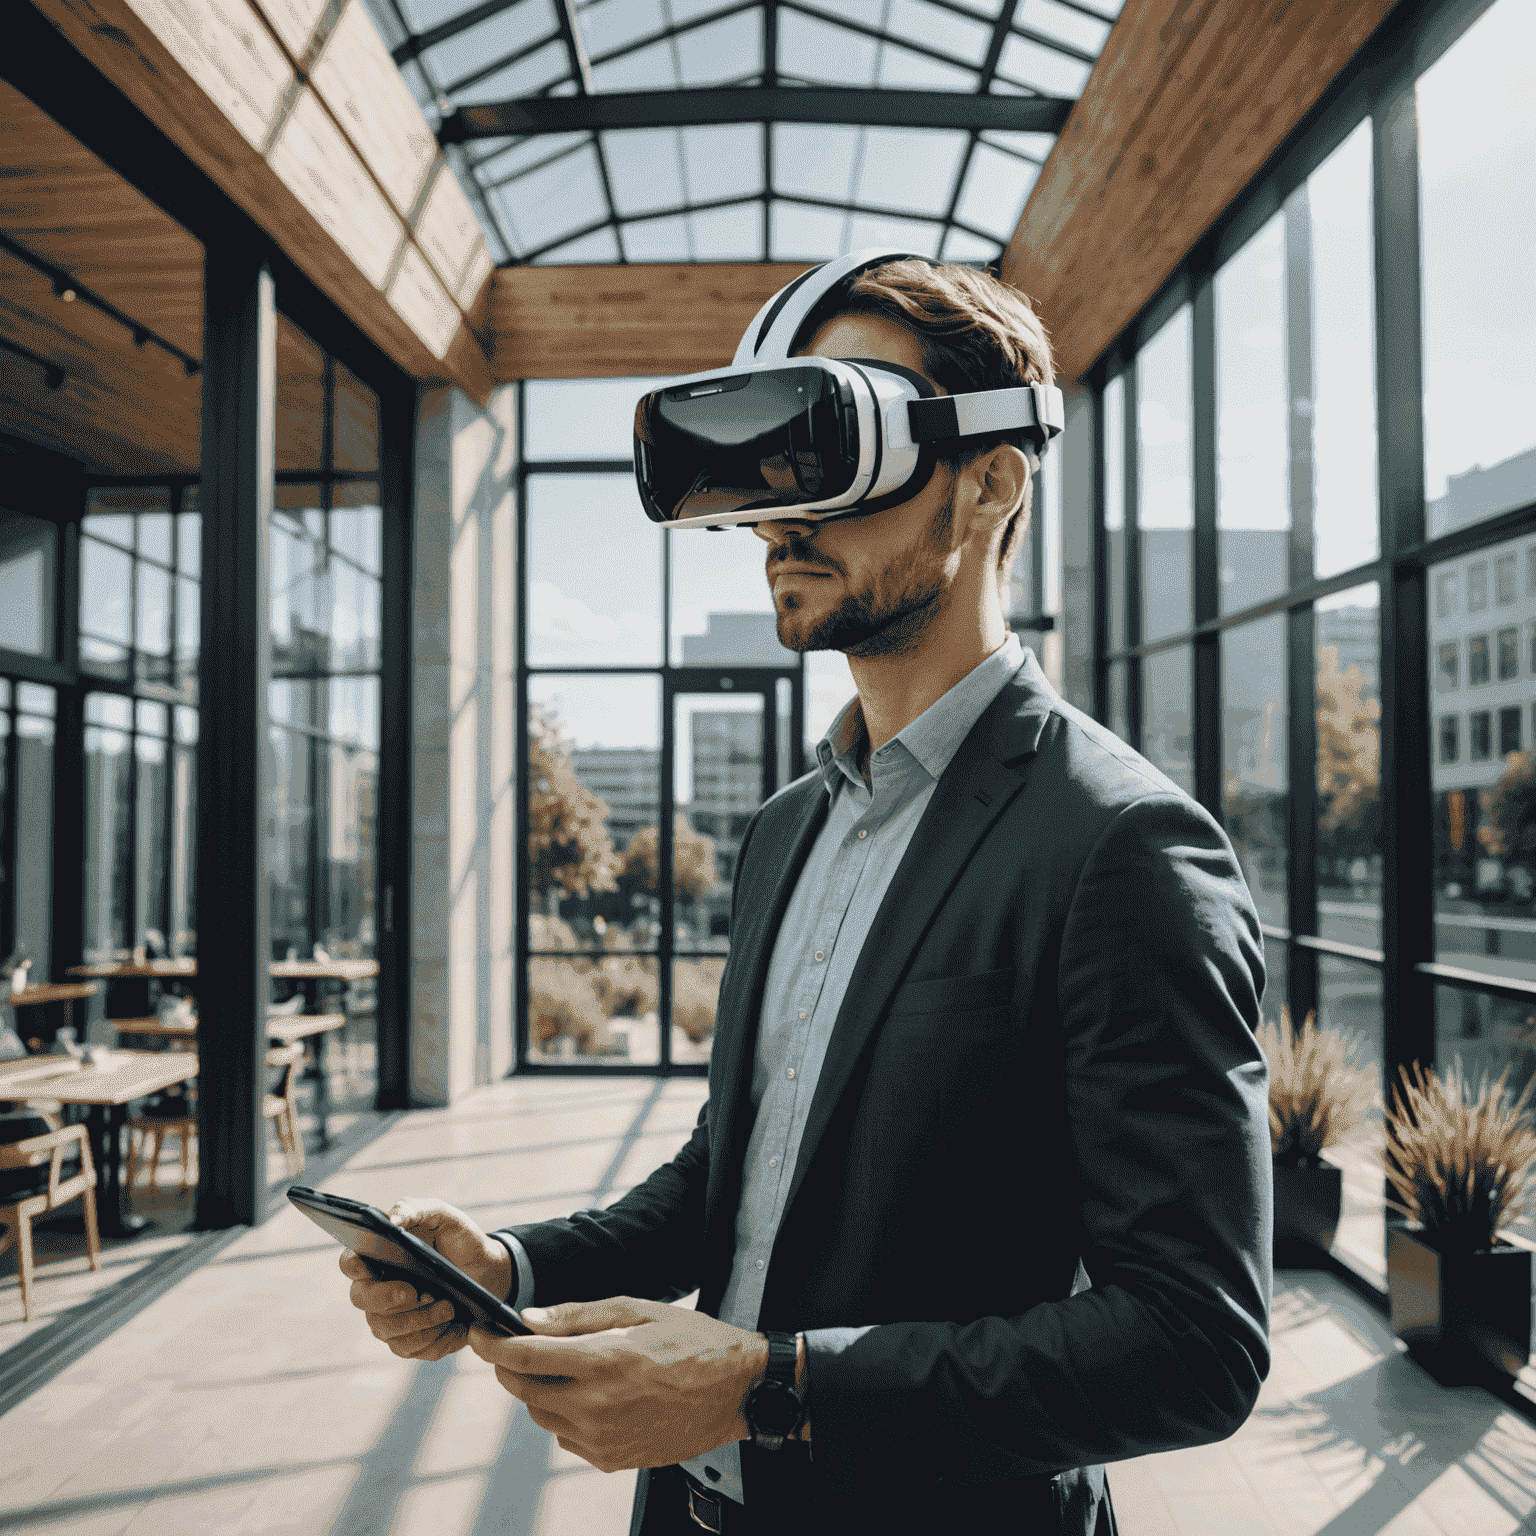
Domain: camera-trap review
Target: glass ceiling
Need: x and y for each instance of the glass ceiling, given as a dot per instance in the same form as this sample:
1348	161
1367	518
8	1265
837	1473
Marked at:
744	191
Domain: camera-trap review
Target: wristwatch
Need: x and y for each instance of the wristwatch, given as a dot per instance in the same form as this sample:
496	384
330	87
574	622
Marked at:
773	1408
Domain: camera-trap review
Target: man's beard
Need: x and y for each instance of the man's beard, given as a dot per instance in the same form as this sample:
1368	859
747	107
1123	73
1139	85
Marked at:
890	618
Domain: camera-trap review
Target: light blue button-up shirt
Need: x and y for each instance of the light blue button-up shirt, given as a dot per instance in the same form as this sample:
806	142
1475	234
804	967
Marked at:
846	875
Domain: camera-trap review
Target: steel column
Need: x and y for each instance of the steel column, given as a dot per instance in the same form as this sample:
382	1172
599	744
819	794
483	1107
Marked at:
1408	894
234	950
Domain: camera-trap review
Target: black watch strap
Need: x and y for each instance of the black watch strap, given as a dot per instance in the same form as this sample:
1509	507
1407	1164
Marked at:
773	1407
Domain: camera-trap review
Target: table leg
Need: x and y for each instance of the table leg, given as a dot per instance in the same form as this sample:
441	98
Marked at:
105	1125
322	1089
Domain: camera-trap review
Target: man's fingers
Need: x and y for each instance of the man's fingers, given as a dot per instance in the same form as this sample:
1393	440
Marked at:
569	1317
353	1267
433	1315
384	1296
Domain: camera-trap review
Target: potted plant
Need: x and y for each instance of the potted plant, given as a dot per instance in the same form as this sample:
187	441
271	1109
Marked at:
1319	1095
1459	1161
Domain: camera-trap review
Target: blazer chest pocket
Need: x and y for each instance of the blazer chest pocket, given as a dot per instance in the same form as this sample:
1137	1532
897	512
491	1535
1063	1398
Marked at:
975	993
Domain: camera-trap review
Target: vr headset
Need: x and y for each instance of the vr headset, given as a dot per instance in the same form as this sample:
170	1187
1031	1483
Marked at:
810	438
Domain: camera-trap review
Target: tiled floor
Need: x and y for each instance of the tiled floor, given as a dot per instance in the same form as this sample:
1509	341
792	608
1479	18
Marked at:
251	1399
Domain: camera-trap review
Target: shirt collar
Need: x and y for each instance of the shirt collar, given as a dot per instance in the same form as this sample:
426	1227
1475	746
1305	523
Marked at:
935	736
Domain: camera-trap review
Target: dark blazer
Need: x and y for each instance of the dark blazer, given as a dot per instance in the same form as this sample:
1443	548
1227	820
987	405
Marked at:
1044	1066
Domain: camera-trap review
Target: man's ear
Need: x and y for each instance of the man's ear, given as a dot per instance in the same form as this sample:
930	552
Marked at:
1000	482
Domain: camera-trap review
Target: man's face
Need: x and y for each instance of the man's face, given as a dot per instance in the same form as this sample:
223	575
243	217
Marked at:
870	585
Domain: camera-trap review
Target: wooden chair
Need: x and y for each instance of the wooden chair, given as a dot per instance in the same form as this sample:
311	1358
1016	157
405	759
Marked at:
47	1193
146	1135
283	1106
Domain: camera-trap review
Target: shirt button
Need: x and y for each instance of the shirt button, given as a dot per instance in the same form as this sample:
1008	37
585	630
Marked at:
820	955
759	1263
789	1072
773	1162
802	1013
862	832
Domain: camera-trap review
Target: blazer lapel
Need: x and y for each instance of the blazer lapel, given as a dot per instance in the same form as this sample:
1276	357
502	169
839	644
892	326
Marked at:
780	845
972	793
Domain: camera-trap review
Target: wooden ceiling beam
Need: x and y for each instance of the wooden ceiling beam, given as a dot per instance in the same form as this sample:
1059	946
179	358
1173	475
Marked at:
1186	104
610	321
295	109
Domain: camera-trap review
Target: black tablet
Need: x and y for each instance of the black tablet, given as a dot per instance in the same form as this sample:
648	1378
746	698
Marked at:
392	1253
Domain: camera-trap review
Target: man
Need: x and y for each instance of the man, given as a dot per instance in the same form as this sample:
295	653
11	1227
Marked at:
986	1150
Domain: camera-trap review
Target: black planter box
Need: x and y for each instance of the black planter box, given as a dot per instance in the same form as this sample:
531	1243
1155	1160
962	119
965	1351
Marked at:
1464	1314
1307	1206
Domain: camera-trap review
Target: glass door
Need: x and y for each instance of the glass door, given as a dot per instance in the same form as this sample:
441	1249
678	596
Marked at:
629	923
731	735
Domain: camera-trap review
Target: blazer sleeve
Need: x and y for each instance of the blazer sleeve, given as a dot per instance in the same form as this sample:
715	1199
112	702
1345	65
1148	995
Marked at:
649	1243
1166	1105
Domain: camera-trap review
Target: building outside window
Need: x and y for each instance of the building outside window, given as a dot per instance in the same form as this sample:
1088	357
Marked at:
1480	735
1509	729
1504	580
1450	738
1477	659
1477	586
1509	653
1449	673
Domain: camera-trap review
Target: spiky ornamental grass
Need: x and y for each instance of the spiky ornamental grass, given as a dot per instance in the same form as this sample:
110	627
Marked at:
1460	1160
1318	1093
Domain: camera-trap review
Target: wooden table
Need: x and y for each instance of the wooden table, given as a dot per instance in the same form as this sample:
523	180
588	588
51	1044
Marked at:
25	1067
107	970
154	1026
131	980
67	992
285	1029
106	1092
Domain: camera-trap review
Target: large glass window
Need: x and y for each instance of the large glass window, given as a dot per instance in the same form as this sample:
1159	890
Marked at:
1253	507
1167	714
27	740
139	555
1348	857
1165	505
324	699
139	640
665	648
1114	511
1254	761
1304	533
1477	220
1335	208
28	556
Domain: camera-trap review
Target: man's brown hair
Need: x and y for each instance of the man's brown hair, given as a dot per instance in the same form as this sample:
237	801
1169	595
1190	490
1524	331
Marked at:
977	333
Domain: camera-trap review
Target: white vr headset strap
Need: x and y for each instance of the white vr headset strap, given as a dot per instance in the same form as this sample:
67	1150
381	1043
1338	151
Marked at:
988	410
813	287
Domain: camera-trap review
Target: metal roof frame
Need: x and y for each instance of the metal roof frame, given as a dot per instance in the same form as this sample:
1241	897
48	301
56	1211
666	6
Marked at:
909	35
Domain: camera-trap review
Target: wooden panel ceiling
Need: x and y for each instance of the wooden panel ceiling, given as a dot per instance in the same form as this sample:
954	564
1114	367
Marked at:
1188	101
123	408
608	321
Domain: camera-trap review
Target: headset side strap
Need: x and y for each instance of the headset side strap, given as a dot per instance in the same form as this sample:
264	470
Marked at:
1037	406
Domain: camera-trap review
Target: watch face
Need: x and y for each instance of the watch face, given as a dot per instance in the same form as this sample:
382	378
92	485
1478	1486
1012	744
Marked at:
773	1408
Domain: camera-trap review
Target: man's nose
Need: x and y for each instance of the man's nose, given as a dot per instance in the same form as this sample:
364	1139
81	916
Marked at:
782	529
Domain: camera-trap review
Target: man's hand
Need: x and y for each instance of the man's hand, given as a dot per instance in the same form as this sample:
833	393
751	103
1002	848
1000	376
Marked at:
647	1384
414	1325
